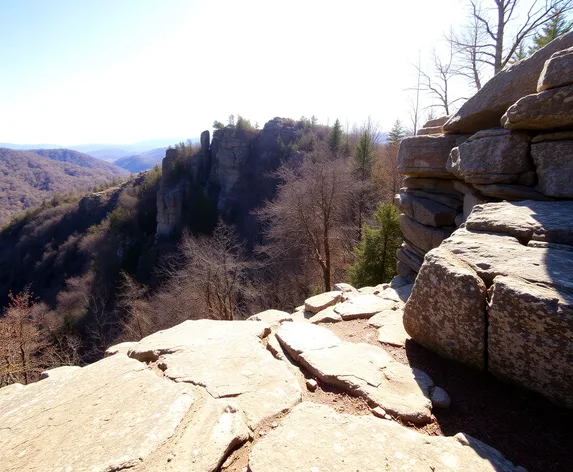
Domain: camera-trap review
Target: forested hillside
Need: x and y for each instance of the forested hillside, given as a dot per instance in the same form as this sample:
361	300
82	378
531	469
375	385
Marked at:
257	218
29	177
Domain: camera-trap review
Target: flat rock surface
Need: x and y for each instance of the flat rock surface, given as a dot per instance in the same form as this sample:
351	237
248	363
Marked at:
272	317
328	315
361	369
541	221
511	192
228	359
317	439
390	326
322	301
107	416
364	306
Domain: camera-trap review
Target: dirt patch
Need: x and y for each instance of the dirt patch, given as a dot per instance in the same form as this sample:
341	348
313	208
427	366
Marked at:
524	426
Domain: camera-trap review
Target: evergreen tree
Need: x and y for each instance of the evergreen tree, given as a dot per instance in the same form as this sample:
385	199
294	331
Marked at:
376	261
335	138
365	153
397	133
557	26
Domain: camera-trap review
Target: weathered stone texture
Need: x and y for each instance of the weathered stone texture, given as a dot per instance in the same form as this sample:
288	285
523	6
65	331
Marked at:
446	311
492	156
557	71
541	221
422	236
426	156
316	438
486	107
425	211
554	164
361	369
549	110
228	359
530	336
107	416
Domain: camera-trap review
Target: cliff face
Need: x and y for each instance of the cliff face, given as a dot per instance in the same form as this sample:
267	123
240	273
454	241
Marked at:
488	229
230	174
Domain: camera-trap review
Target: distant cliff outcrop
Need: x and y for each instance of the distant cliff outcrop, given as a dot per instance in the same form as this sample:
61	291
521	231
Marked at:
229	176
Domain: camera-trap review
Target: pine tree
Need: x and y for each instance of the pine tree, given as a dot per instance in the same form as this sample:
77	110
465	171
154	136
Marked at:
365	153
375	261
335	138
557	26
397	133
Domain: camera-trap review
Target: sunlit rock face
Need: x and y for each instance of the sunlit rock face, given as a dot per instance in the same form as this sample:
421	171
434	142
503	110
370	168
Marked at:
498	293
229	176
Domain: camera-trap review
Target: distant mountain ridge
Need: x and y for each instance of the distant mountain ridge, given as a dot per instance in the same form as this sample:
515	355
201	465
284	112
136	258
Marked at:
140	162
27	178
134	157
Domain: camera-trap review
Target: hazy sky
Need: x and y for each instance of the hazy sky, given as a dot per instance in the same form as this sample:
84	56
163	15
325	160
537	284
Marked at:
84	71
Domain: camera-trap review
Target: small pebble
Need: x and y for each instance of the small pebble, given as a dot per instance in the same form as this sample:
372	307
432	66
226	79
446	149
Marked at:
311	384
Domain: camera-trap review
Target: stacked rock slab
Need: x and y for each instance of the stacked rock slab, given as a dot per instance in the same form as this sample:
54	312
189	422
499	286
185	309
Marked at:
498	293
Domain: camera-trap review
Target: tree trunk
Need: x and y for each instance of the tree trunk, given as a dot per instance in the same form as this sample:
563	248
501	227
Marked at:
499	39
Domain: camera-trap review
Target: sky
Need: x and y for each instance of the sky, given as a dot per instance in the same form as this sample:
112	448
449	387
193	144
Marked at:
120	71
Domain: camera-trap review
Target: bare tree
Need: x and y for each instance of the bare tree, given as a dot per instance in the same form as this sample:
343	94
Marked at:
495	32
207	278
437	83
311	212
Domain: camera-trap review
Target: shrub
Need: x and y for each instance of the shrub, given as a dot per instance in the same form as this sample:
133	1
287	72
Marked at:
375	261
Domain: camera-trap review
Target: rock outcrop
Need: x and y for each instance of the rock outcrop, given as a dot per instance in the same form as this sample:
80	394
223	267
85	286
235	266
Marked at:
498	293
485	109
228	176
191	397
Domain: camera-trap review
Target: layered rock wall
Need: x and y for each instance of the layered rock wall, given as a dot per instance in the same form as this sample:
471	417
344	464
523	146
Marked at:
488	230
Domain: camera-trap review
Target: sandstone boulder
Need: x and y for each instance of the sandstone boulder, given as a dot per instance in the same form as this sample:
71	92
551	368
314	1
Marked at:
541	221
426	156
558	71
272	317
487	106
446	310
425	211
390	327
411	259
451	201
344	287
530	335
422	236
328	315
322	301
437	122
491	156
305	441
554	164
549	110
429	130
511	192
361	369
364	306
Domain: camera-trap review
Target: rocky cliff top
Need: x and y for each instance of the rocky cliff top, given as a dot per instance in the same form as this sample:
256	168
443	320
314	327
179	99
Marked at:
231	395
